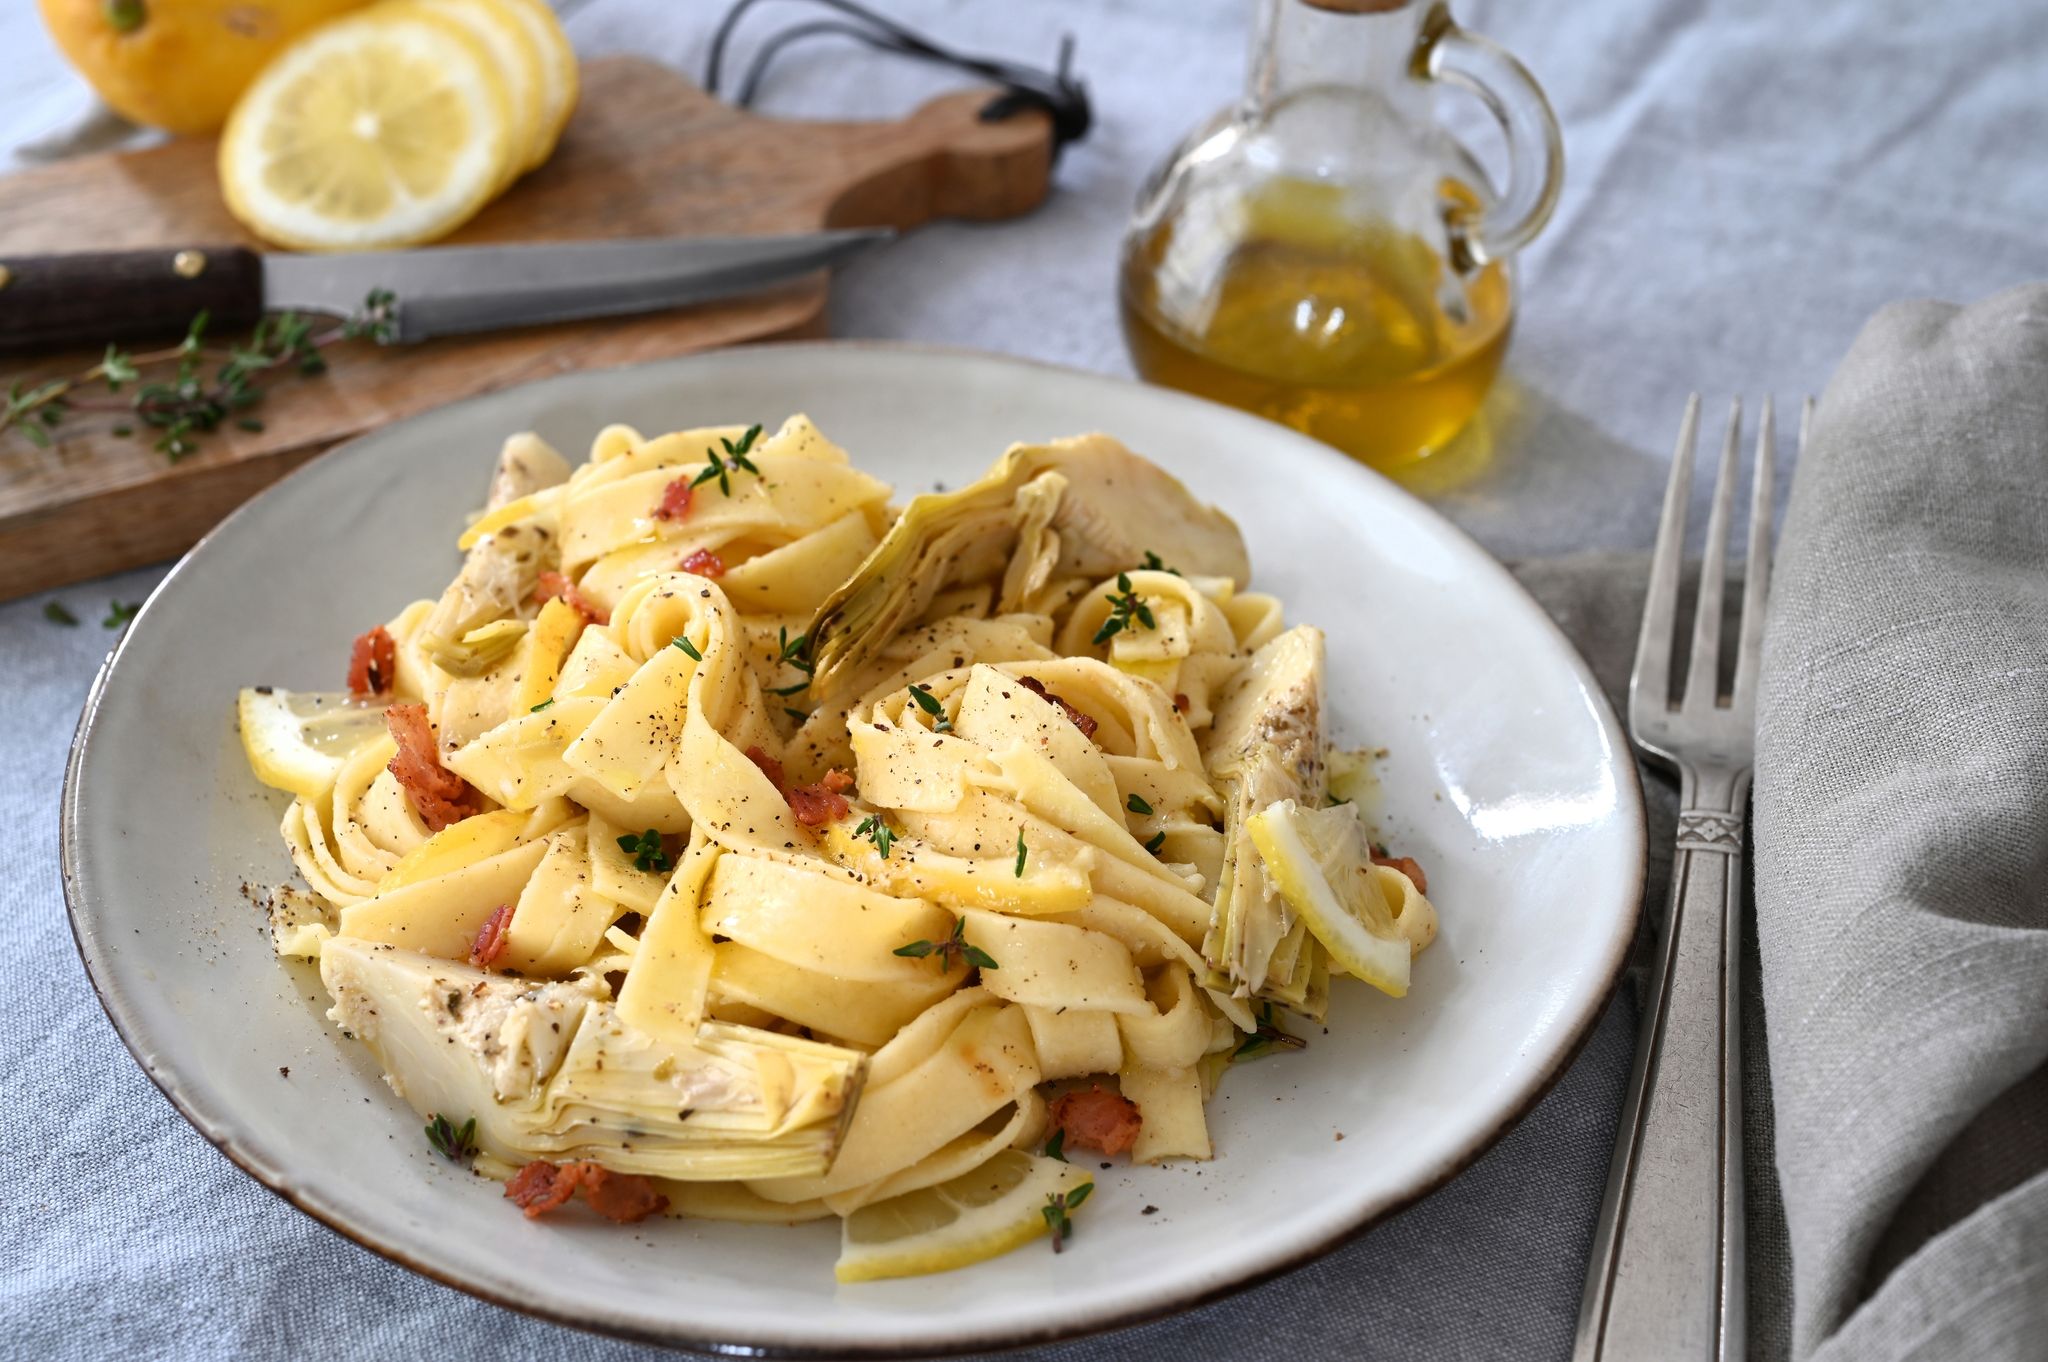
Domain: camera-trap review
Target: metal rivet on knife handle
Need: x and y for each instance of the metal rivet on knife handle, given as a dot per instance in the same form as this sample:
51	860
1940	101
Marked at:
188	264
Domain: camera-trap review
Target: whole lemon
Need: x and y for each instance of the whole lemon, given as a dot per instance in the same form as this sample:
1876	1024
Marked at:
178	64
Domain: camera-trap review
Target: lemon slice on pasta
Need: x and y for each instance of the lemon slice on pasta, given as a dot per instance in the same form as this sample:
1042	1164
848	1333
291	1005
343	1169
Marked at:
386	128
974	1217
1321	863
297	740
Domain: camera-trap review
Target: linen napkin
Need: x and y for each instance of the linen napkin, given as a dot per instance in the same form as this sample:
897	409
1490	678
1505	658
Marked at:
1901	824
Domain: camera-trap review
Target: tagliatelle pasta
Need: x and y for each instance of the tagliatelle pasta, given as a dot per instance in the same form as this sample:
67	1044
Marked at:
735	843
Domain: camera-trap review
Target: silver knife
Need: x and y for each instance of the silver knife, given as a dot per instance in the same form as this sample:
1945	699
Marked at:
56	301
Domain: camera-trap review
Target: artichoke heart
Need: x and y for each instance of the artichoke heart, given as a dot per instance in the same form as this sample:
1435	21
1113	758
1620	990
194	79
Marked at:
497	578
1111	508
477	651
549	1071
1266	746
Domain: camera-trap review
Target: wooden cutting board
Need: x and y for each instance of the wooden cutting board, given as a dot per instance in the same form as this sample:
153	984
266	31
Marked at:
647	154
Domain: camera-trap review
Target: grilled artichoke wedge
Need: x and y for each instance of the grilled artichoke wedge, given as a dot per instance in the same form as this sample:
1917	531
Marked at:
1266	745
550	1072
1084	508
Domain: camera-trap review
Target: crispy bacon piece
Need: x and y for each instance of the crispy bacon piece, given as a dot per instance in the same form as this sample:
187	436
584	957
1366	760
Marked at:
815	804
704	563
553	585
1407	865
373	663
1086	723
541	1186
675	500
440	796
490	942
824	802
770	767
621	1197
1097	1119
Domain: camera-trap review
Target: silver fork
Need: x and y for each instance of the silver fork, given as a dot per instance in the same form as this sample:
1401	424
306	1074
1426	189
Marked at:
1665	1281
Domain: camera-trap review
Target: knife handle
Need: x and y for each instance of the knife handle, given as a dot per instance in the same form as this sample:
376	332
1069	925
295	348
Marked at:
56	302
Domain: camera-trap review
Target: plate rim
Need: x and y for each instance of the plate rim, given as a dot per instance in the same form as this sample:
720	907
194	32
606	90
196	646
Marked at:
280	1182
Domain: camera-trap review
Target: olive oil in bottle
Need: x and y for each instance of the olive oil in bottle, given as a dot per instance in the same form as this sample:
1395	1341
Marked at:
1327	252
1352	333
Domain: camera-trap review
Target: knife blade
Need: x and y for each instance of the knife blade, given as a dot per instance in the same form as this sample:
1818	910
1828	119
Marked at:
51	301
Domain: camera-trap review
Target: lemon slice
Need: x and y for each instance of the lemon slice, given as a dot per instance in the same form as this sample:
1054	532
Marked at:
297	740
517	52
560	81
976	1216
1321	863
386	128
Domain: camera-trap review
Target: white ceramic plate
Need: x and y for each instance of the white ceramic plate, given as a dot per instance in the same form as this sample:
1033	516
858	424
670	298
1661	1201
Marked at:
1506	776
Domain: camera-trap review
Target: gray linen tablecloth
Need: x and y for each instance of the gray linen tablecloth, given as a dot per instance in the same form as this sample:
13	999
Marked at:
1747	183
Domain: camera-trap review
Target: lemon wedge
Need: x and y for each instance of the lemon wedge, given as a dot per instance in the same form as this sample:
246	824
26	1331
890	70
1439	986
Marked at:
560	82
388	127
976	1216
517	53
297	740
1321	863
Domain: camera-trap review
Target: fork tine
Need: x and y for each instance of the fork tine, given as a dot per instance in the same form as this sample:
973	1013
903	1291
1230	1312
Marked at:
1650	683
1756	582
1702	679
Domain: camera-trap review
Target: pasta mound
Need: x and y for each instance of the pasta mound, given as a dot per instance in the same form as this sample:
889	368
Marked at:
794	852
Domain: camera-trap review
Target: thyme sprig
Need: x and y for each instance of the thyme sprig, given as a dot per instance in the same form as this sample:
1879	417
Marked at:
873	828
1153	563
647	851
793	652
954	950
451	1141
735	458
1269	1036
1126	611
1056	1209
183	402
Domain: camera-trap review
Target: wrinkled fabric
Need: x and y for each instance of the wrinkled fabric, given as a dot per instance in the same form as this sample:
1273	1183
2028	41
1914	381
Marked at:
1902	842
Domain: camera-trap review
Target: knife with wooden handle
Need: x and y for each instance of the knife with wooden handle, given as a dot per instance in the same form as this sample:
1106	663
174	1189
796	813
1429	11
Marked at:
53	302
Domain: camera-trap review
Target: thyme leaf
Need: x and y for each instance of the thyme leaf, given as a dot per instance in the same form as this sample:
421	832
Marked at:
647	851
929	703
954	950
1268	1037
1126	611
450	1141
1056	1209
879	832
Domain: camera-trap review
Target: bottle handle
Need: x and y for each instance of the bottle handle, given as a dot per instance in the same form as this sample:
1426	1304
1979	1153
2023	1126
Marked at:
1472	63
